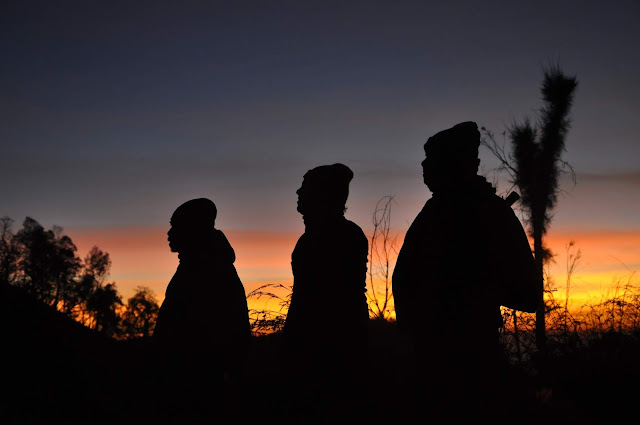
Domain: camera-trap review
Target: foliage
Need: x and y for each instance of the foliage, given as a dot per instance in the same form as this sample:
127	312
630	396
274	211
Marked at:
619	311
92	279
140	314
535	164
537	150
45	265
103	306
570	332
8	251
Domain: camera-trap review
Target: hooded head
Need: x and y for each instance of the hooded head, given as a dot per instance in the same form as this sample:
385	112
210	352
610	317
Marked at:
324	190
192	224
451	156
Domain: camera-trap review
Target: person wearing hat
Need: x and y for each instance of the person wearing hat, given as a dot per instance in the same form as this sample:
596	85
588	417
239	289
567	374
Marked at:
325	332
202	331
465	255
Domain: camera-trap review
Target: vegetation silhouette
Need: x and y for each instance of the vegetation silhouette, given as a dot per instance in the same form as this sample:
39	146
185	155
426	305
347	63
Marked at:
464	256
535	165
140	315
590	366
268	319
71	352
44	263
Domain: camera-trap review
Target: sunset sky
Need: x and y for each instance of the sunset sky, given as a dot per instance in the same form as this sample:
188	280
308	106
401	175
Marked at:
114	113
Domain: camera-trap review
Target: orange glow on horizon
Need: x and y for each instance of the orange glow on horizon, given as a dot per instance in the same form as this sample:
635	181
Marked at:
141	256
609	260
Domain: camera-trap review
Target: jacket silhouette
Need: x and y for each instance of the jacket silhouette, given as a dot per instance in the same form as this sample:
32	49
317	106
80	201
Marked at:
325	333
465	255
202	332
328	304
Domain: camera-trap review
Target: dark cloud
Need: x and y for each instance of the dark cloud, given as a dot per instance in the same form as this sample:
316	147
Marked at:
628	178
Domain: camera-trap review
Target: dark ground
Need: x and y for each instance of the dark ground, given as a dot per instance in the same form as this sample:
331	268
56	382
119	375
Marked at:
56	371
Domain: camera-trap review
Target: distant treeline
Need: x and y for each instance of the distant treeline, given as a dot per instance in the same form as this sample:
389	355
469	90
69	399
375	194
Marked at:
46	265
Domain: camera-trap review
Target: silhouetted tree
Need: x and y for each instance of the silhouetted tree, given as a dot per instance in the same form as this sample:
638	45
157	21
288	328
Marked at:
535	165
101	299
140	314
8	251
44	263
47	264
103	306
97	263
95	268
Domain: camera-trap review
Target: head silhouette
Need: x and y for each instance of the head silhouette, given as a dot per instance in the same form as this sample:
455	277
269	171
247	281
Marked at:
191	224
324	190
451	157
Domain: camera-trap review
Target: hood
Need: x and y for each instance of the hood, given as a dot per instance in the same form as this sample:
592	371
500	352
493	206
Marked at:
213	247
222	248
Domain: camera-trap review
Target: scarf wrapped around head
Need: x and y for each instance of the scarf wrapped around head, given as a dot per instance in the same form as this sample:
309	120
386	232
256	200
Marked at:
196	213
330	183
460	142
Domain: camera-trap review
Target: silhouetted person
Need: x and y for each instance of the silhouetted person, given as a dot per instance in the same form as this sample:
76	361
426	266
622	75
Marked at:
325	334
464	256
202	330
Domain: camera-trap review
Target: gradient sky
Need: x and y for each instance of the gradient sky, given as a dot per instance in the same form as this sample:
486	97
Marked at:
114	113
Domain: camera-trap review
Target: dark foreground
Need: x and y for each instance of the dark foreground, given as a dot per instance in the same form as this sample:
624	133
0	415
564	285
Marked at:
56	371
